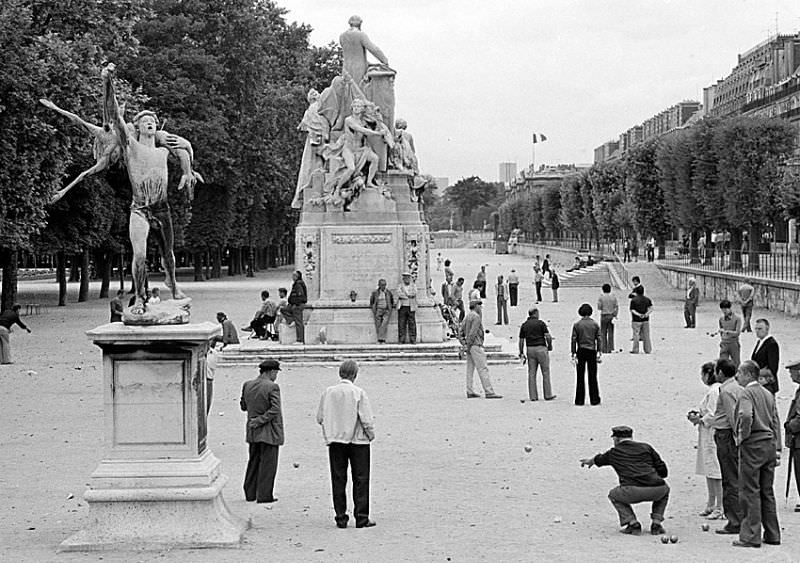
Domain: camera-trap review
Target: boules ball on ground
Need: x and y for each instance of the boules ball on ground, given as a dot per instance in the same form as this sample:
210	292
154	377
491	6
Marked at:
664	539
705	527
673	539
528	448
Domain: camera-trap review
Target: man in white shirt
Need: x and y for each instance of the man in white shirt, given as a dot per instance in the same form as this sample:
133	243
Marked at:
348	428
407	310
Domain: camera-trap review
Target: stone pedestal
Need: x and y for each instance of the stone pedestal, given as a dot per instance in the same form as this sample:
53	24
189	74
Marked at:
342	251
158	485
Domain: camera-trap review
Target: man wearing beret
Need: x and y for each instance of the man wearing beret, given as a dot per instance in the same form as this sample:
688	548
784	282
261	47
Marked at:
261	398
641	475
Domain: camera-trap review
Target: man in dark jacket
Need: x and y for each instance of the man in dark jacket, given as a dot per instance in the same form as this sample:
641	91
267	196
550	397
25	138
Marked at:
261	398
298	297
767	353
792	427
641	475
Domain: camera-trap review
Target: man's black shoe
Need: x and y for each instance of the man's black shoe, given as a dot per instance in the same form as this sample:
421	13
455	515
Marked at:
738	543
657	529
730	531
634	528
367	524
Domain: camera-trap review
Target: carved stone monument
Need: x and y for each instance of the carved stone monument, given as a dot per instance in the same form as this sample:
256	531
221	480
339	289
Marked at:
361	215
157	485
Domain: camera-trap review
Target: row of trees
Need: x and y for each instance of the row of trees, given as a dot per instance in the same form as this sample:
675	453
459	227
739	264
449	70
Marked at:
719	175
229	75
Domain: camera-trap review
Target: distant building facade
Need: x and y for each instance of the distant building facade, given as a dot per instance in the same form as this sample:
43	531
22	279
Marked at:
671	119
507	172
531	181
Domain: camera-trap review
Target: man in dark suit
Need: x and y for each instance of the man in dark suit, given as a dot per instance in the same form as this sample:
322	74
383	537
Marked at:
758	434
767	353
261	398
792	427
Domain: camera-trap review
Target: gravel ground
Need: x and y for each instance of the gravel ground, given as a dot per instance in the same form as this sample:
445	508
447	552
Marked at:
451	480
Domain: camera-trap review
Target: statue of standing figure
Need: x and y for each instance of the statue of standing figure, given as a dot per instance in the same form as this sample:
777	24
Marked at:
144	150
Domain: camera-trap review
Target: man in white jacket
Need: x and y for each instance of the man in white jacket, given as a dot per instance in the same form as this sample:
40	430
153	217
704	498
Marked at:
348	428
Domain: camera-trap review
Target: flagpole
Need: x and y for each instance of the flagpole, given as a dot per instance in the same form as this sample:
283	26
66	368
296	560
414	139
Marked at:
533	154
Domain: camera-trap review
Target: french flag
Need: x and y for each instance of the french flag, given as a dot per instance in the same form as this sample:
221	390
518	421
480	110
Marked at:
538	138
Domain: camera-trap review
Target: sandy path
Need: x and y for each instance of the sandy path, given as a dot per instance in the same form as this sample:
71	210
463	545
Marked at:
451	480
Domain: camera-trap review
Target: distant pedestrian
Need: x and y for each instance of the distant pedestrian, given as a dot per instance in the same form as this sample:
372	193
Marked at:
554	283
767	353
535	339
585	348
212	361
651	249
348	427
730	325
626	250
608	307
641	473
473	333
261	398
513	287
641	307
758	434
546	266
447	268
298	297
707	463
501	291
538	277
116	307
744	296
407	310
690	303
8	318
480	279
438	261
458	298
381	301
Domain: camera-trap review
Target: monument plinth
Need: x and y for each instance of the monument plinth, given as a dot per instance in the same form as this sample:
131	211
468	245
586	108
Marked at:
157	484
339	252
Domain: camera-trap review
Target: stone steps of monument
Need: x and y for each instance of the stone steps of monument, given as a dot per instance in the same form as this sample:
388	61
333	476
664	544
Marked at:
254	352
591	276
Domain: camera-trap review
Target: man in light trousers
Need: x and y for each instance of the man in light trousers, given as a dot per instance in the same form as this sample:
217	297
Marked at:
476	355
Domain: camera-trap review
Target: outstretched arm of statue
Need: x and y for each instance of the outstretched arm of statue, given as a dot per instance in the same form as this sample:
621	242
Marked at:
111	106
93	129
174	143
356	125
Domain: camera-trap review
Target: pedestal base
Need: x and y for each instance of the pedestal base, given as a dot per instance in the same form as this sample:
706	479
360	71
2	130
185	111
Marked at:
157	504
348	323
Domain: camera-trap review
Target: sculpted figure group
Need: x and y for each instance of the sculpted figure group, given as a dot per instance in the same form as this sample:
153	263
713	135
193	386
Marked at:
143	150
347	135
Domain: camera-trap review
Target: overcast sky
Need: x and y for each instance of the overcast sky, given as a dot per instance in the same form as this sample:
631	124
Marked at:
475	79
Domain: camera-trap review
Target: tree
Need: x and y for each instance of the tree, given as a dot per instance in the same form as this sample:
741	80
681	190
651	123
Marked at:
644	188
469	194
751	153
607	181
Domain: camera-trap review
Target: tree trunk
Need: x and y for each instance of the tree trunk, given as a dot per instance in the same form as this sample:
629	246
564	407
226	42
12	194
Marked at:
8	262
708	259
74	268
753	256
61	277
83	292
198	266
122	270
735	247
694	255
105	271
216	270
661	244
250	262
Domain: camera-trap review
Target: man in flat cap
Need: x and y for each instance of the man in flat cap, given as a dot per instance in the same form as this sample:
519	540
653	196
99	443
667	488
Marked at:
407	310
261	398
641	475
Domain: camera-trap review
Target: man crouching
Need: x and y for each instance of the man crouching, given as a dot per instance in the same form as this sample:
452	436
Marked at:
641	475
